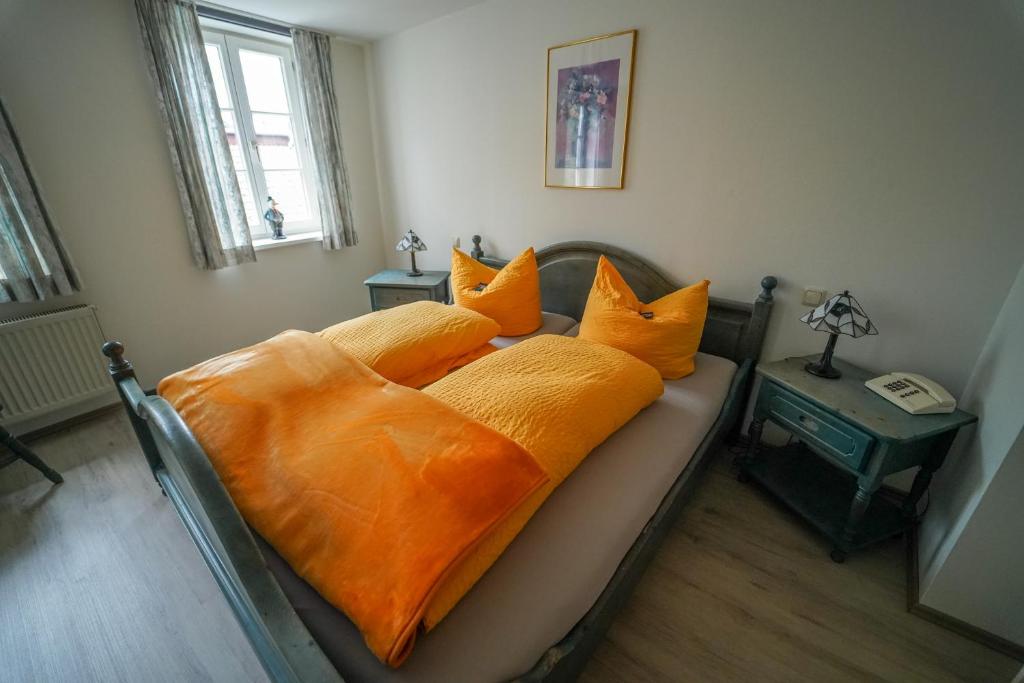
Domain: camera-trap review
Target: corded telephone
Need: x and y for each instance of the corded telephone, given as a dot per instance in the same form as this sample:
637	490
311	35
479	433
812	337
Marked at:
913	393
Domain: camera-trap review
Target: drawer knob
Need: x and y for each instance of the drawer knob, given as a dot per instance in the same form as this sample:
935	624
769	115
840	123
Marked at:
808	423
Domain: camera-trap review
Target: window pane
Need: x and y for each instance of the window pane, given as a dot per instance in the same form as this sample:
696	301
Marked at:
286	188
220	81
252	214
264	81
234	139
275	141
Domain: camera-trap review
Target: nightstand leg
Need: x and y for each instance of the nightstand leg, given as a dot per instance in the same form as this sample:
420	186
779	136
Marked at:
917	489
860	504
924	475
756	428
867	484
754	433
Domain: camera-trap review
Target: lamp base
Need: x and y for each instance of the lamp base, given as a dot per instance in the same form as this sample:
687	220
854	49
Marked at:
414	272
826	371
823	368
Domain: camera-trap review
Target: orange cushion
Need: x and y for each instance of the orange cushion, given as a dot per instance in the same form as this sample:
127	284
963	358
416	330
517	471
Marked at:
511	296
417	343
664	333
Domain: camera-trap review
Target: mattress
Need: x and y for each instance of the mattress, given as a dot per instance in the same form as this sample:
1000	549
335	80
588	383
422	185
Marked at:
552	323
557	567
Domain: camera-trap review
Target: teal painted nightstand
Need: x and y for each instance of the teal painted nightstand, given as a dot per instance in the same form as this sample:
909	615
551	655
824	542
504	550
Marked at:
847	439
390	288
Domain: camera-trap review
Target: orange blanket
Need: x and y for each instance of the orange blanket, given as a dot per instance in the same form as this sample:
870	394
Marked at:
558	397
371	491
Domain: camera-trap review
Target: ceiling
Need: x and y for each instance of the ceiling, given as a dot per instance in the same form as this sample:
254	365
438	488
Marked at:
364	19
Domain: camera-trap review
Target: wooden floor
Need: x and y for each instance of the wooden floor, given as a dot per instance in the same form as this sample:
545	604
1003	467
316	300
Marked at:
99	582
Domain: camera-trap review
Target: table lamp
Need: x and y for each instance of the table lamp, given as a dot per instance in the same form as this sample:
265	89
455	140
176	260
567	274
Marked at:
412	243
842	314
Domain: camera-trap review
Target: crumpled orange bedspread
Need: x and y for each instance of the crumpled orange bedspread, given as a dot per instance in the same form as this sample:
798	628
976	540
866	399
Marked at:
371	491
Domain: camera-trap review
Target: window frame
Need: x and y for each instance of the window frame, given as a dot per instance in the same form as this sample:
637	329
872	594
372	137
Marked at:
230	43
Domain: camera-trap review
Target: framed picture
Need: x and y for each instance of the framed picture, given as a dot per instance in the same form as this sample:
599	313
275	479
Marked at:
590	84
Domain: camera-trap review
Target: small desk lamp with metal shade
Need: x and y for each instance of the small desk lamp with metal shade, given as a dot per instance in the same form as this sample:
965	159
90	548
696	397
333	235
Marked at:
412	243
842	314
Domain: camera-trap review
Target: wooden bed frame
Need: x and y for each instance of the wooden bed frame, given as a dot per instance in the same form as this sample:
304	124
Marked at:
284	646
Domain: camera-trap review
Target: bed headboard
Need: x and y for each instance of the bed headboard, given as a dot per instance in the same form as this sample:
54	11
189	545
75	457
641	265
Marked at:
734	329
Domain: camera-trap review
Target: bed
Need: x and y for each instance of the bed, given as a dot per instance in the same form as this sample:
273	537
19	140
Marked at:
541	610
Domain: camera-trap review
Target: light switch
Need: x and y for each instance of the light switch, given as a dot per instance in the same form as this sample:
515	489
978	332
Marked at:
814	297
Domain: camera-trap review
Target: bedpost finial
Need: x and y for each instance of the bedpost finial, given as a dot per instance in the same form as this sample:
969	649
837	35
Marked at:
768	283
477	252
114	350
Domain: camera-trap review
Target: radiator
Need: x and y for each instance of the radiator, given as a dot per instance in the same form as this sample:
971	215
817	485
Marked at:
50	363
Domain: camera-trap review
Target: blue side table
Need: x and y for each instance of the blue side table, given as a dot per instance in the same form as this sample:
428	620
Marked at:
847	439
390	288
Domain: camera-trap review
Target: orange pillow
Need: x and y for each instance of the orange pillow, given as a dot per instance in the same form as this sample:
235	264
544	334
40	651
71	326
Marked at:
511	296
664	333
417	343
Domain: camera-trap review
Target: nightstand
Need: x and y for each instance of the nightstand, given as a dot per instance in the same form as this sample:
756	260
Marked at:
390	288
846	440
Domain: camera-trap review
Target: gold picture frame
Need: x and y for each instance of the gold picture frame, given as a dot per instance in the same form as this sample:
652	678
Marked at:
587	109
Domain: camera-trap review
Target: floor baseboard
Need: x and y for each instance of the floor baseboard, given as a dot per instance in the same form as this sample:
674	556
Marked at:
35	434
997	643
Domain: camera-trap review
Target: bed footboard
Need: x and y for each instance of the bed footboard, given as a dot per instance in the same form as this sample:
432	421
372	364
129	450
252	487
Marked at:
280	640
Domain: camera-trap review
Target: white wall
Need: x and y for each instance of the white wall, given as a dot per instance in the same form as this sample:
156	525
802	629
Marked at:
980	581
871	145
970	551
73	78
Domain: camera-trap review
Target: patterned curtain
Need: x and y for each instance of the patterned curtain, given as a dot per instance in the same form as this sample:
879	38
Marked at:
214	217
33	261
316	88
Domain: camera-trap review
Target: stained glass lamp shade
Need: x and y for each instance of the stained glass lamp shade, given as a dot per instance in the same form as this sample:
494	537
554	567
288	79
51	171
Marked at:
842	314
412	243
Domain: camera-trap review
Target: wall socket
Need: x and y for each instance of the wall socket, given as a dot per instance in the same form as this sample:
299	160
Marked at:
814	297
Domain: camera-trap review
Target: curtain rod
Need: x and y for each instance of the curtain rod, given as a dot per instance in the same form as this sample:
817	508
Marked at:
242	20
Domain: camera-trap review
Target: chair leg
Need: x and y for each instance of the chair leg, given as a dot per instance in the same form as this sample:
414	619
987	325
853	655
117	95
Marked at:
28	456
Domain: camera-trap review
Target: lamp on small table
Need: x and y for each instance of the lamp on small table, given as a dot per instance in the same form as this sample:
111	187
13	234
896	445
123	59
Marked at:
412	243
842	314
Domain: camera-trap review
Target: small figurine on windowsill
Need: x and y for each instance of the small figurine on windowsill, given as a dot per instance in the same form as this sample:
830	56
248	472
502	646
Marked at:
275	219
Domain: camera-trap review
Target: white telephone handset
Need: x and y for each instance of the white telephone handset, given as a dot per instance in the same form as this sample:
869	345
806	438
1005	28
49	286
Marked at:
913	393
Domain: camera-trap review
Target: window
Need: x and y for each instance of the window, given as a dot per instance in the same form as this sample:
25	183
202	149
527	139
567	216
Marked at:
257	94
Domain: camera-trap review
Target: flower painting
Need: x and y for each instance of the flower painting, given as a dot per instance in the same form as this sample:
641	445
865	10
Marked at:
585	128
589	84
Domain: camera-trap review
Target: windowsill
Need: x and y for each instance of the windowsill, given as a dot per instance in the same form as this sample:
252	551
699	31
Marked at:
289	240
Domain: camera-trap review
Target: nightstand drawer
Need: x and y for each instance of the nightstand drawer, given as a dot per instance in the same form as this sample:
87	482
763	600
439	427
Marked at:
817	428
389	297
